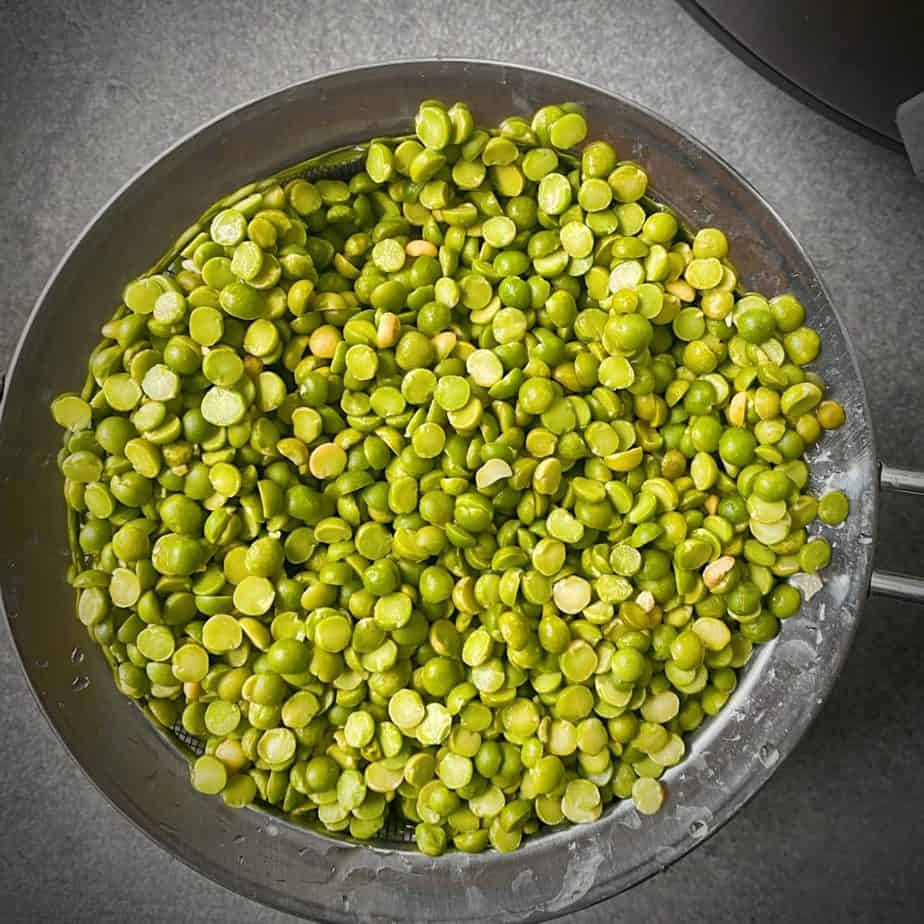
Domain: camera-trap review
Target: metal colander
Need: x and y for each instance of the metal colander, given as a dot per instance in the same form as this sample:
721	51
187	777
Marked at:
268	857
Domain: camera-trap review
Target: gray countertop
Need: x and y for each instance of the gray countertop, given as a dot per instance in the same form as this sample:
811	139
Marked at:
92	91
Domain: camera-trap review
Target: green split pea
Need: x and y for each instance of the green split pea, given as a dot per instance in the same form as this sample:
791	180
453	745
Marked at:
453	490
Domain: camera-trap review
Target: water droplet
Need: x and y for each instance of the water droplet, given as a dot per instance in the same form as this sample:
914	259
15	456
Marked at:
303	851
632	820
768	755
665	855
239	838
43	663
271	830
240	861
80	683
698	829
77	655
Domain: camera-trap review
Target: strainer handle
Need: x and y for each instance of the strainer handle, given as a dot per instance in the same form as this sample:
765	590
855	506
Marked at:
888	583
897	586
900	480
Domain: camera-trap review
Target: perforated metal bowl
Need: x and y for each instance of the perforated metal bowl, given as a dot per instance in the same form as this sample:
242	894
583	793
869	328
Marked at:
268	858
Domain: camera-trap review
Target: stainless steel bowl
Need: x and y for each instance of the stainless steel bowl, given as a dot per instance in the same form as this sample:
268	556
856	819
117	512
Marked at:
266	857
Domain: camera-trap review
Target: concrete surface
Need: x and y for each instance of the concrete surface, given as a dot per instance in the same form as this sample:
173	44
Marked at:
89	92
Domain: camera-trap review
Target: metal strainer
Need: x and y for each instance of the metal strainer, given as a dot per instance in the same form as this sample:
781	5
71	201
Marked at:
266	857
